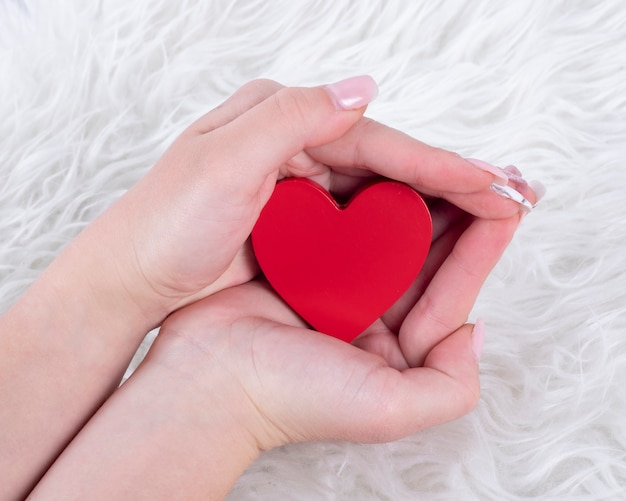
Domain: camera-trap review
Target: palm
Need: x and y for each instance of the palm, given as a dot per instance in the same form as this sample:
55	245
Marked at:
301	380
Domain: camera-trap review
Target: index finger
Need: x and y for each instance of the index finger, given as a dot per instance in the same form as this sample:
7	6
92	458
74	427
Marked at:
375	148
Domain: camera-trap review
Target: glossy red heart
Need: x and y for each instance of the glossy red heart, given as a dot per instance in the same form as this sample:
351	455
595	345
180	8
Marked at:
340	267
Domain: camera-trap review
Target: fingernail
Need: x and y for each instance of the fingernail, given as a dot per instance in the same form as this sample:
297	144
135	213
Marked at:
514	174
538	188
511	169
501	177
478	338
512	194
352	93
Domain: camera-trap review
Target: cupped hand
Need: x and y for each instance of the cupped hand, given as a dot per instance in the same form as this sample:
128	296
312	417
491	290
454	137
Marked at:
415	367
180	234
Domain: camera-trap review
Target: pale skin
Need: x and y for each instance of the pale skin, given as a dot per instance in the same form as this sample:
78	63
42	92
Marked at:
234	371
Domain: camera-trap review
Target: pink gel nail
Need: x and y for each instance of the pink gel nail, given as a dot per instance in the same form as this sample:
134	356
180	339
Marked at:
352	93
514	174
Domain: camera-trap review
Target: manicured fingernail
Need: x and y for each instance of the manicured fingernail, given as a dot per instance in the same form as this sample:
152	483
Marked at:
501	177
352	93
538	188
478	338
512	194
514	174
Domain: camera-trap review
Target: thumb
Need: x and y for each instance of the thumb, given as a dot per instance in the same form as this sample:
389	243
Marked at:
446	388
261	140
355	396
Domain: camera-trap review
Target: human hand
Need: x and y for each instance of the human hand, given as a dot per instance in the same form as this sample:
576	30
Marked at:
186	223
239	372
413	368
180	235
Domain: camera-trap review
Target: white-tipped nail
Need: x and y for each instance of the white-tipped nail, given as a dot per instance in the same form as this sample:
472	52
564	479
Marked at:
511	194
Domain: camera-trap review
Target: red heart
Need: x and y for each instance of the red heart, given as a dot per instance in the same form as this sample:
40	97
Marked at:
341	267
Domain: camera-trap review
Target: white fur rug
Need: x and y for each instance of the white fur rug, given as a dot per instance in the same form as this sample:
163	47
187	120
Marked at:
91	92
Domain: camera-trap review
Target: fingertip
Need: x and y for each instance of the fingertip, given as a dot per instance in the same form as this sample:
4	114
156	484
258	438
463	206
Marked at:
538	188
312	116
456	356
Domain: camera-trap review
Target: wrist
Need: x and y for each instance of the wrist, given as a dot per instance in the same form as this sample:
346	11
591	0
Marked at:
164	428
206	386
99	276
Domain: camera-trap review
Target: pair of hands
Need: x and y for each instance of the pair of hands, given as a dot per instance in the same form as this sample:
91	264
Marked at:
188	259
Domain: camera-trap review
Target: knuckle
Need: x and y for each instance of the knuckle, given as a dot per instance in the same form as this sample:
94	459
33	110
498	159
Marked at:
293	105
367	128
263	86
469	396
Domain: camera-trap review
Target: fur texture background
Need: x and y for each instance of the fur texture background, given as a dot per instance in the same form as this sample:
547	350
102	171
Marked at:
92	92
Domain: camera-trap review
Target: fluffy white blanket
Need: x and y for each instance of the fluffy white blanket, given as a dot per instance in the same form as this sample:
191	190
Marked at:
92	92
